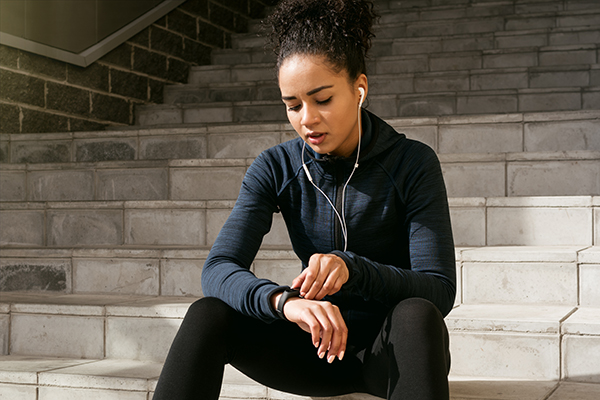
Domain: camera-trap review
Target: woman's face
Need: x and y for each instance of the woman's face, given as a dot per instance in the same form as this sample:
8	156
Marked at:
322	105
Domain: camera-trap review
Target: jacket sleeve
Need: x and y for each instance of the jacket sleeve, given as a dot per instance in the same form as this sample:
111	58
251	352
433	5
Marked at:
432	273
226	273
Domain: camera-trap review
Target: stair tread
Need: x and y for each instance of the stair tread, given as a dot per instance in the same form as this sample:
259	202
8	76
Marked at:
131	375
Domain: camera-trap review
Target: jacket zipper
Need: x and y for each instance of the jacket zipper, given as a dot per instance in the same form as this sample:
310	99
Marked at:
339	186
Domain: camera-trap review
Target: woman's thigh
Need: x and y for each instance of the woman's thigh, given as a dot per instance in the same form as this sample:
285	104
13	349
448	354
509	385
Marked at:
281	356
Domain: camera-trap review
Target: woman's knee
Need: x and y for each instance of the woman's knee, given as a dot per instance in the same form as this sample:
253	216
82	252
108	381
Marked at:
209	314
417	315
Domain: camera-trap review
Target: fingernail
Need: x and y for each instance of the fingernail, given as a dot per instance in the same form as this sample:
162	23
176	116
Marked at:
322	354
341	355
330	359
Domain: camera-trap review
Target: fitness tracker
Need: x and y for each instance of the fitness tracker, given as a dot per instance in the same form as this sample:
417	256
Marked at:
287	294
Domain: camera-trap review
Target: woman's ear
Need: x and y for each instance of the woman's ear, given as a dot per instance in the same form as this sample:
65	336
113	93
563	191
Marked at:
362	85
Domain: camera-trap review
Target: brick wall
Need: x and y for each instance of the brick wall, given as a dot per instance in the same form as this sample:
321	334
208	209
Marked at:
39	94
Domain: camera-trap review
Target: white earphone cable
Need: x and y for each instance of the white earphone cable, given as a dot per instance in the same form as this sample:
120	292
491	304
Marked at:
341	218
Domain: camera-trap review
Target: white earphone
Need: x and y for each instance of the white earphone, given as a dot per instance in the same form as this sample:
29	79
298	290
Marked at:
341	218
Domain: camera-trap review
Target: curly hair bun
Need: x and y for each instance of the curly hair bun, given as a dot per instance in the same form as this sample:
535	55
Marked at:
340	30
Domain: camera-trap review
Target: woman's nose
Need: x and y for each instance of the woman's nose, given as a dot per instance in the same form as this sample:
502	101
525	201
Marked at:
310	116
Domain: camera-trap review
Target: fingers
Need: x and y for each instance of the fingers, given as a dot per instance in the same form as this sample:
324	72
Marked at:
324	275
324	322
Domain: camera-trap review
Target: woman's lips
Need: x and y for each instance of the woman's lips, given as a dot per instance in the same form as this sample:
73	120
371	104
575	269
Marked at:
315	138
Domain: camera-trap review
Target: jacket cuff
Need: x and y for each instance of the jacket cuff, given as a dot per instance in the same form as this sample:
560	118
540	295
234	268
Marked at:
274	291
349	264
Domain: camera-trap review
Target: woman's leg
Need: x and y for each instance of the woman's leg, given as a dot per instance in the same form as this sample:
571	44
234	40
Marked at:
410	357
279	355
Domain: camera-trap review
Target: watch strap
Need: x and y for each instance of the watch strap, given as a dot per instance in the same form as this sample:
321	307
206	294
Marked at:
287	294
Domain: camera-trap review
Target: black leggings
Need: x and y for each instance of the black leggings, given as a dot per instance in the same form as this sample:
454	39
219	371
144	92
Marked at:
408	359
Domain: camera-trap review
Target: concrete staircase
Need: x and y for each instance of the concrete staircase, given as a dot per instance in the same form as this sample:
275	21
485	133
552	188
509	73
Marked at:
103	234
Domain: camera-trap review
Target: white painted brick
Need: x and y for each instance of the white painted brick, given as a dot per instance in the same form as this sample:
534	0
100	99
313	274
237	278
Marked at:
122	276
65	393
525	226
567	57
4	333
215	219
13	186
481	138
424	134
206	114
152	115
549	101
85	227
585	321
181	277
508	40
455	62
581	355
475	179
172	147
61	185
519	254
18	392
589	276
146	339
503	283
442	83
165	227
459	279
132	184
206	183
468	226
241	145
281	272
597	226
24	369
57	336
562	135
552	79
576	391
487	104
512	80
22	227
554	178
126	375
209	74
278	236
508	318
472	388
50	275
503	355
510	60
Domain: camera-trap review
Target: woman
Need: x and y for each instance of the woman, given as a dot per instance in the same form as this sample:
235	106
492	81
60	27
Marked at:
367	214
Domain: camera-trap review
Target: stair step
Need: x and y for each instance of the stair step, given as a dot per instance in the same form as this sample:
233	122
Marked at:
477	221
440	44
493	174
210	74
434	103
528	275
488	24
504	341
134	380
528	132
473	78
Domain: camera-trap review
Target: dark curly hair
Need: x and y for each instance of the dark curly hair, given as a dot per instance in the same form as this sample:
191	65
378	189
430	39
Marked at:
339	30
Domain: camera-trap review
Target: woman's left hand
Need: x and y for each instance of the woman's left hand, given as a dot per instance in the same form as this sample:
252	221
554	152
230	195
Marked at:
325	275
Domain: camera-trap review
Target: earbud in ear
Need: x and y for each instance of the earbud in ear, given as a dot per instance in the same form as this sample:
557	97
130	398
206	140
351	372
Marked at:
362	95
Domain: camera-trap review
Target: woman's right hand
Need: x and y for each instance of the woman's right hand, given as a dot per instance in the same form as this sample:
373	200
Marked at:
323	321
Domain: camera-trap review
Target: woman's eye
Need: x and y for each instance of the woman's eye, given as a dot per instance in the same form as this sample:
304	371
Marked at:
324	101
294	108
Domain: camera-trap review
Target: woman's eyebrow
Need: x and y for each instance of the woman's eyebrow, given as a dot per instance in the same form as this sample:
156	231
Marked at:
309	93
